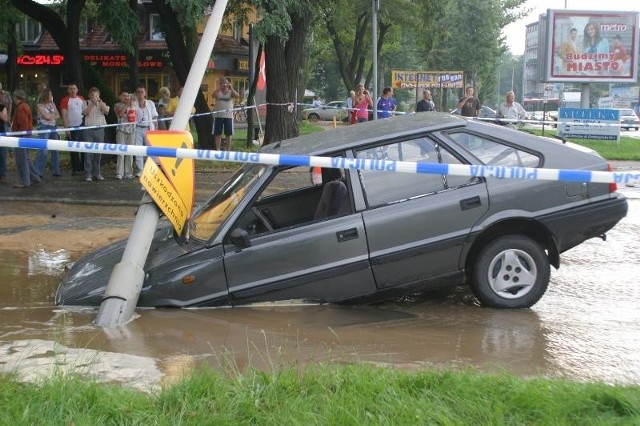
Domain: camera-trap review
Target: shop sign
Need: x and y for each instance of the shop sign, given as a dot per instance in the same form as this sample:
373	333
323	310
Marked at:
101	60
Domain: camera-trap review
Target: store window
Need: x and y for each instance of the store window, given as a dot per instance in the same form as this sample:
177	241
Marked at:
153	83
241	84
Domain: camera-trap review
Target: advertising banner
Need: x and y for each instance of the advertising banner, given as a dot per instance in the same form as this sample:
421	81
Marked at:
583	123
592	46
427	79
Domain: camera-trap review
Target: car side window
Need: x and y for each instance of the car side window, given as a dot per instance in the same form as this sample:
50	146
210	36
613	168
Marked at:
296	196
381	188
494	153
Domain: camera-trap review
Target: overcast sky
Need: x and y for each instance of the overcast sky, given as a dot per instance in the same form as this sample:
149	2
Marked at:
515	33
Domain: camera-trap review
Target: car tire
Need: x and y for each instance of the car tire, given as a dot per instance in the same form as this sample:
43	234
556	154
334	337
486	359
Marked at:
511	272
313	118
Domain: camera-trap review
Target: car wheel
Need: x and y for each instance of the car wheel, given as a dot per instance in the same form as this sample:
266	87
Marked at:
511	272
313	118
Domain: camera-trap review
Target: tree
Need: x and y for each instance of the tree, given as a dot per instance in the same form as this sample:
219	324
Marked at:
284	31
476	44
8	20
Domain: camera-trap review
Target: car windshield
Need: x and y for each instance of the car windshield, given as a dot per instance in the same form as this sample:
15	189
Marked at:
207	219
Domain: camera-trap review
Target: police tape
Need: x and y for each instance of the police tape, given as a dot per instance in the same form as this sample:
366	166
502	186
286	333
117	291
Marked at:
104	126
500	172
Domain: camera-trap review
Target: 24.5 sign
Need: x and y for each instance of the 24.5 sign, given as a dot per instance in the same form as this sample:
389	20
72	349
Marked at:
40	59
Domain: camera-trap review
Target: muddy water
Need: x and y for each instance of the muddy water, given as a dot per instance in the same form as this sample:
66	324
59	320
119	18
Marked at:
587	326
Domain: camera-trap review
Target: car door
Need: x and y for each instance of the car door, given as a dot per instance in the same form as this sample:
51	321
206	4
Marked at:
417	223
313	259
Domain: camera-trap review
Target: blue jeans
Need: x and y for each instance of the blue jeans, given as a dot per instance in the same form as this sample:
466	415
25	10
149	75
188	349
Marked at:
26	170
41	158
3	161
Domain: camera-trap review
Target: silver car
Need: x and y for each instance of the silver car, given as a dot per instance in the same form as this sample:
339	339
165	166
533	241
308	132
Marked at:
629	119
361	235
335	109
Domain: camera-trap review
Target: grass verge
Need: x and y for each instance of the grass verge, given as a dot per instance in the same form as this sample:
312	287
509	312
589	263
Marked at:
344	395
628	149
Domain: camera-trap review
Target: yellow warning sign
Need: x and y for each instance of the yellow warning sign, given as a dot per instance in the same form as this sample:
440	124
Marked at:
165	195
178	171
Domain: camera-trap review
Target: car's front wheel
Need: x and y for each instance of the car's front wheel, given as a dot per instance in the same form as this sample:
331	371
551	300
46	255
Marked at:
313	118
511	272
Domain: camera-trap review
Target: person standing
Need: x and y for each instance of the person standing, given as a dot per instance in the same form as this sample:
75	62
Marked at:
166	104
469	105
46	118
71	109
223	111
23	121
350	109
125	133
94	111
146	116
425	104
5	99
362	102
386	104
4	127
511	110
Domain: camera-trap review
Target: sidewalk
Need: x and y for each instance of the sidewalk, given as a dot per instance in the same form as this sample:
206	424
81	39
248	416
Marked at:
109	192
128	192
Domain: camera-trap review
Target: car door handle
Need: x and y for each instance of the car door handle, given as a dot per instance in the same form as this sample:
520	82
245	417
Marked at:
470	203
347	234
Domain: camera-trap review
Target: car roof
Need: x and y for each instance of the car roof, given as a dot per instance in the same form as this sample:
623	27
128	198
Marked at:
346	137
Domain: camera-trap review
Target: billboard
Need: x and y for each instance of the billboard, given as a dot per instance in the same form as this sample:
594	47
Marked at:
427	79
591	46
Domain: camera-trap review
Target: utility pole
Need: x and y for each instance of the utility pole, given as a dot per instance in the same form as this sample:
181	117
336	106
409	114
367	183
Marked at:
123	290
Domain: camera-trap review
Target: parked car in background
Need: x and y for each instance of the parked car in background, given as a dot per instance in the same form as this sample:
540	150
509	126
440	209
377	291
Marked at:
335	109
365	235
485	112
629	119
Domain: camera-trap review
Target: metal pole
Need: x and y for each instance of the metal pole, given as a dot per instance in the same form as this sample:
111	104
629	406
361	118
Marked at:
123	290
374	61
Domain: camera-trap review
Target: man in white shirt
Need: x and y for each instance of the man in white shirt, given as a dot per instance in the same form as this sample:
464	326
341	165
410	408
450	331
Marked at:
146	116
511	111
71	108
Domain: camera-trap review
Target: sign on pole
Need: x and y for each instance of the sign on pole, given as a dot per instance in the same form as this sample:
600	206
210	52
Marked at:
583	123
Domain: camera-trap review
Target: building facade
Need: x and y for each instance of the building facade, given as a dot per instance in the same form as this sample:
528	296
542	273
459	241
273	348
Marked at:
41	63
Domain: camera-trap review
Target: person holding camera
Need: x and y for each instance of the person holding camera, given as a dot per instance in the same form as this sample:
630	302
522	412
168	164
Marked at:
223	113
94	112
362	103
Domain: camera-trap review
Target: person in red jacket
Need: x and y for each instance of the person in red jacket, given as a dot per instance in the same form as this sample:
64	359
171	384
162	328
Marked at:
23	121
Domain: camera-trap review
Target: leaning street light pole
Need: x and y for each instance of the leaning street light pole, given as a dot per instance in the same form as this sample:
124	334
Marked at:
123	290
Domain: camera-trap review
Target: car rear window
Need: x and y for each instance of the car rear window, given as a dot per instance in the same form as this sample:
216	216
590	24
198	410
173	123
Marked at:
383	188
494	153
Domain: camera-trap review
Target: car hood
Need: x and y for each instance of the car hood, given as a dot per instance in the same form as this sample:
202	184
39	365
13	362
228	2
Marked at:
87	280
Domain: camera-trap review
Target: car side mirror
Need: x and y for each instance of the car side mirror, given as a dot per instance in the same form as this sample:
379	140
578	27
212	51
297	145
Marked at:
240	238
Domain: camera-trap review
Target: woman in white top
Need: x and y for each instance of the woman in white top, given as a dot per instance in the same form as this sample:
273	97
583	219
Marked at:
47	116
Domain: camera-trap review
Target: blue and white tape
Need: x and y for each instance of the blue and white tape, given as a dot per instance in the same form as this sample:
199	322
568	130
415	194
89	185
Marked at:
76	128
502	172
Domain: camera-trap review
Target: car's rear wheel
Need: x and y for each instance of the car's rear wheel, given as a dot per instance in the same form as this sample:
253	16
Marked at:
511	272
313	118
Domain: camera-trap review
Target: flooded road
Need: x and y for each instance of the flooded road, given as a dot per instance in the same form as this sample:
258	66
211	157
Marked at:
586	327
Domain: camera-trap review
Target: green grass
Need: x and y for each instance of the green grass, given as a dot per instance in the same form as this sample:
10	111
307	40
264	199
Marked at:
627	150
331	395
